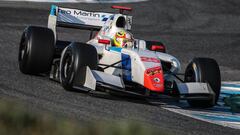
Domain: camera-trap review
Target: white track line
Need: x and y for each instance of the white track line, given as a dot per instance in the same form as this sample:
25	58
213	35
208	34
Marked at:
234	82
189	113
231	88
218	111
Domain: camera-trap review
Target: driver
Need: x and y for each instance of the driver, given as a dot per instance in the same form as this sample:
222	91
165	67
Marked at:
123	39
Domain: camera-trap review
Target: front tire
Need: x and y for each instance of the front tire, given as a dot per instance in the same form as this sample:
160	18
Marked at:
74	60
36	50
204	70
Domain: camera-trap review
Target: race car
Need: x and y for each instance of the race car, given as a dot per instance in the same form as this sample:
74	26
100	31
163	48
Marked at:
113	60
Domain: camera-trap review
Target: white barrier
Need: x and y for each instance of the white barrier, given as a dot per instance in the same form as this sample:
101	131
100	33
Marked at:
80	1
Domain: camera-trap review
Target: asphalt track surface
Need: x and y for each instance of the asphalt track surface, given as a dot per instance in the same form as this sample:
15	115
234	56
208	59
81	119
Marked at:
189	28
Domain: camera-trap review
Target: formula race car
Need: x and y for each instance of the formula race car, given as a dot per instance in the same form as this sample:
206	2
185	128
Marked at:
112	60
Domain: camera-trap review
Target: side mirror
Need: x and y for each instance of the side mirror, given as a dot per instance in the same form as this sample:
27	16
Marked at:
158	48
104	41
155	46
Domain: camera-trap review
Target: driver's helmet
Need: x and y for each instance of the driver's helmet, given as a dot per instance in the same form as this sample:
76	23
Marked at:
123	39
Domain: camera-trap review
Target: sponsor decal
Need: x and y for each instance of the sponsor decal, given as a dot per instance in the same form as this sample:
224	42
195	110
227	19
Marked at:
79	13
104	18
149	59
127	66
87	17
82	17
157	85
156	79
112	17
129	21
153	79
153	71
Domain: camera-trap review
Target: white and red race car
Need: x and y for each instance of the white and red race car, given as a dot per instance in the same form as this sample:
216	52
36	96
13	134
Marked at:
114	60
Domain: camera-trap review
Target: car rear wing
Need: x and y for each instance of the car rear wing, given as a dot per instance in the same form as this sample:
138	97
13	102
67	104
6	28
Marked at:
80	19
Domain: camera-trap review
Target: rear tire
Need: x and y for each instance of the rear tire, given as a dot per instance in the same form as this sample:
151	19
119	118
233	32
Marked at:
36	50
74	60
204	70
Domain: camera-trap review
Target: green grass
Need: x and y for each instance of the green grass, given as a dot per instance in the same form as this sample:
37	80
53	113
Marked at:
15	119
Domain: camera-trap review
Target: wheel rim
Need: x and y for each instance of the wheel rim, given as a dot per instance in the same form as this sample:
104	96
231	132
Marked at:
190	77
192	74
67	67
22	51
